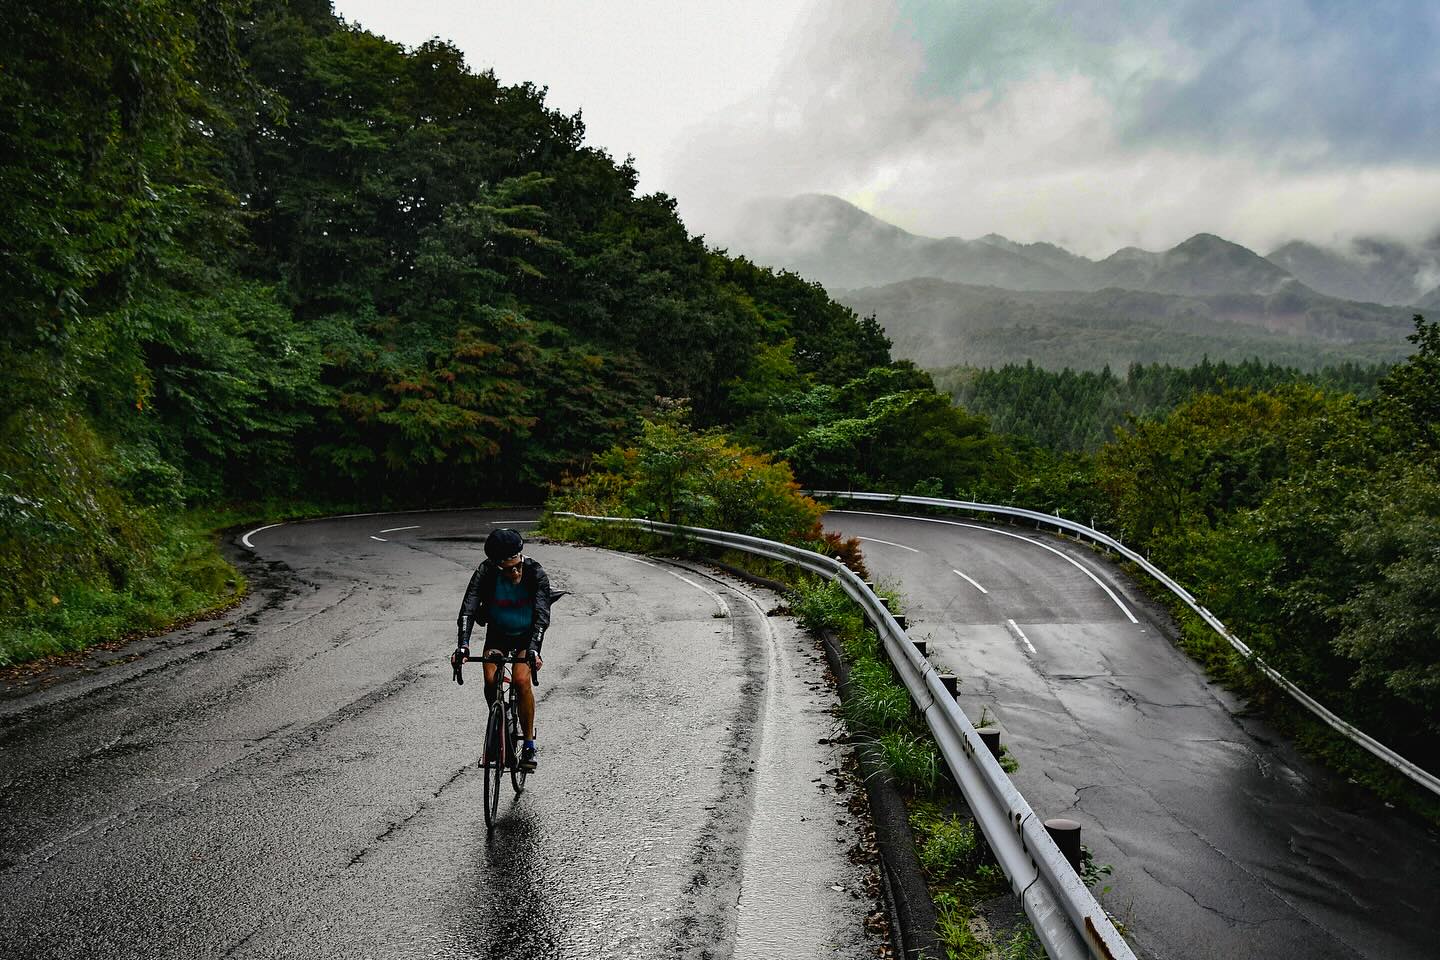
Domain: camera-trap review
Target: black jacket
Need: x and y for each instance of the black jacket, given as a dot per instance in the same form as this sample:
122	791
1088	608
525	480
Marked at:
475	608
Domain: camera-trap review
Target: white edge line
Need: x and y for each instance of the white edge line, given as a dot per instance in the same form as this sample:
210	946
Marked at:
720	605
970	580
1015	629
395	529
1005	533
496	523
246	539
887	543
381	539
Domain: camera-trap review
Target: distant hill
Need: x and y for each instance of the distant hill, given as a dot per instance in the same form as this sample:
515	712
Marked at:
1205	264
938	324
1372	270
833	241
994	301
827	239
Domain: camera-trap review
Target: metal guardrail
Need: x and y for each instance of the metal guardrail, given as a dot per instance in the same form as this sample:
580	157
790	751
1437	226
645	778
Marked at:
1346	729
1066	918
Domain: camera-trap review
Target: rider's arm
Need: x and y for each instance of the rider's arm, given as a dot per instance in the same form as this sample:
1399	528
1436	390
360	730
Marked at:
541	620
472	608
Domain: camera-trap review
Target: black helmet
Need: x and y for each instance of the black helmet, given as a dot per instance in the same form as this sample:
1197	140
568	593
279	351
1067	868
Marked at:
503	543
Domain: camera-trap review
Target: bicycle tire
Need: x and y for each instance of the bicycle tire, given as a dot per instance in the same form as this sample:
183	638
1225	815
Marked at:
517	776
494	765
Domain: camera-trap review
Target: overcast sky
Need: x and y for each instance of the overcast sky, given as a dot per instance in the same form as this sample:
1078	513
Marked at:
1090	123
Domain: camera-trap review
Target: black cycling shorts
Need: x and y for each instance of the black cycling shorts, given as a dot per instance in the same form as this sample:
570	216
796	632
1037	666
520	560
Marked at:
496	639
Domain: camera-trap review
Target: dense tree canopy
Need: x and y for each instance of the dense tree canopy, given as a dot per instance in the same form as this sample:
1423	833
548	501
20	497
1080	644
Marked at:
253	251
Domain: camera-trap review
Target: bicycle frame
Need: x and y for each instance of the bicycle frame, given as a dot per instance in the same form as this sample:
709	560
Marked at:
502	718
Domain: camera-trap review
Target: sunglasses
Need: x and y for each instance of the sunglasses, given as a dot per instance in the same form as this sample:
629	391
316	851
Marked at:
508	567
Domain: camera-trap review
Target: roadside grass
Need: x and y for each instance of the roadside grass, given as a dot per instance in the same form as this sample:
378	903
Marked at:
184	579
611	536
957	864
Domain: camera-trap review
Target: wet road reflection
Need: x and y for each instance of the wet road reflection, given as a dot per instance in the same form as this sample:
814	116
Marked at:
1225	842
300	779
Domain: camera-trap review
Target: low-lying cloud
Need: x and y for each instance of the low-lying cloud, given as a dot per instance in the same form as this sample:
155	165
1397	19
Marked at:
1093	124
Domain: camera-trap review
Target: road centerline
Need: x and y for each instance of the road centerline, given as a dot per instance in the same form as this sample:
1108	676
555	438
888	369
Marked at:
970	580
1005	533
888	543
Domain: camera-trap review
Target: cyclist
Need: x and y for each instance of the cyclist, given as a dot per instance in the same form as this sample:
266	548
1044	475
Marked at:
509	594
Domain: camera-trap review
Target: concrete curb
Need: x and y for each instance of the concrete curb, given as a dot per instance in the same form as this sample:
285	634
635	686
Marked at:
907	897
912	911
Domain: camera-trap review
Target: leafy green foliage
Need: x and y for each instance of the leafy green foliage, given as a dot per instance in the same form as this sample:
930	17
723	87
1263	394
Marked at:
1305	520
675	474
253	252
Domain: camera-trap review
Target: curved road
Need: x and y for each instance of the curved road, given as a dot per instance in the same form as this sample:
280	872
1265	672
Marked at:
1224	842
299	779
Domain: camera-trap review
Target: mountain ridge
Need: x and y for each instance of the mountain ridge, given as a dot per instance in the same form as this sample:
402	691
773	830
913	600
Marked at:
834	242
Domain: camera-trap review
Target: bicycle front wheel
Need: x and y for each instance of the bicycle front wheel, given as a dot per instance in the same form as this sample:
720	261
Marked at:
517	776
494	762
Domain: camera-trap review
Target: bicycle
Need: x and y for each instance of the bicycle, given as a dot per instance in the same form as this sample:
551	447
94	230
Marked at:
502	730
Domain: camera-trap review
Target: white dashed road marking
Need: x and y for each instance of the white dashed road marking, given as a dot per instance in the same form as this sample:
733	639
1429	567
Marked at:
1020	635
969	580
1004	533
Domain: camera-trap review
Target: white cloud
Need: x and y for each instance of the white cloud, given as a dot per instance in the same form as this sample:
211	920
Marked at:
1090	123
1033	149
641	71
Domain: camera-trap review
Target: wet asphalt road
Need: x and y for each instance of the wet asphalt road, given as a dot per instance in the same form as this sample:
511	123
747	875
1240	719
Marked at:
299	778
1224	842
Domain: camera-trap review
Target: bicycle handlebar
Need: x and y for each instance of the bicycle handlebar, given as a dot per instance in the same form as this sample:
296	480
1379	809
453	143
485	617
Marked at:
456	664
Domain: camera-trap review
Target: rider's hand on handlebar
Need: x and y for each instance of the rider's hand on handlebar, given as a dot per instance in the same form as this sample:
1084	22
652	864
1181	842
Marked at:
457	662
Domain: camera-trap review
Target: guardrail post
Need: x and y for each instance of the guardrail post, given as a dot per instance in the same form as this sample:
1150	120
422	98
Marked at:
921	645
952	684
1066	834
991	737
904	623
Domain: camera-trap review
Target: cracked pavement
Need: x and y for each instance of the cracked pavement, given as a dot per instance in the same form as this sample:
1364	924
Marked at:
1224	841
298	778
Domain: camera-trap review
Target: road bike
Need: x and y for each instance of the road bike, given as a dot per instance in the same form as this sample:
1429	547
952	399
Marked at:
502	730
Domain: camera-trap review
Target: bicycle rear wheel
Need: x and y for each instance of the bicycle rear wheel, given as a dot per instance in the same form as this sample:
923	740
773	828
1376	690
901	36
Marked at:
496	750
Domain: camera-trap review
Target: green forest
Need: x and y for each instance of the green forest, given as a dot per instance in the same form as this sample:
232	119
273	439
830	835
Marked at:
261	263
256	255
1080	410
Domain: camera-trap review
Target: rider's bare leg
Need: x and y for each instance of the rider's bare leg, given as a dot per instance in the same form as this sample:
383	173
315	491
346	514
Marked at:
525	695
490	681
